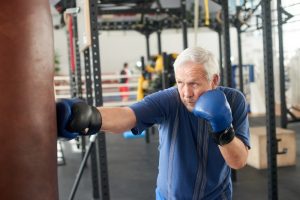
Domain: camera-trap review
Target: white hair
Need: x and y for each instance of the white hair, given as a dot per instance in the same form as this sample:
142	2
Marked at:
200	56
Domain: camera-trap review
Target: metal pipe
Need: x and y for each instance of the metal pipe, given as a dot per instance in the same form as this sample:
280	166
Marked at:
184	23
283	107
240	65
270	103
82	167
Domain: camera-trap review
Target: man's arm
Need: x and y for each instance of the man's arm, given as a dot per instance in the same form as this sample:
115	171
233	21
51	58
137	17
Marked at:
235	153
214	107
75	117
117	120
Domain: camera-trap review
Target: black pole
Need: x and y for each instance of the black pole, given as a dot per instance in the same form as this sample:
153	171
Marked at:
241	78
143	65
184	23
270	105
90	101
227	54
88	75
147	134
147	35
283	108
99	154
72	73
78	62
165	72
159	41
221	58
226	44
78	76
82	167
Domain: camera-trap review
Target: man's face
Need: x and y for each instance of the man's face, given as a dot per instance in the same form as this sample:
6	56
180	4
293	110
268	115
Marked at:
192	83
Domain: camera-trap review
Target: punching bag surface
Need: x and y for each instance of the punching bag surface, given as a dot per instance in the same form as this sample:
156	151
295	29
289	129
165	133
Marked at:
28	164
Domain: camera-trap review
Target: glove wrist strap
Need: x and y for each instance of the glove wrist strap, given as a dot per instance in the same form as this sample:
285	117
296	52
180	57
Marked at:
224	137
96	121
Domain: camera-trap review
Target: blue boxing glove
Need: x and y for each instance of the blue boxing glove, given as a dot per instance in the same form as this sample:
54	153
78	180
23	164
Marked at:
74	117
214	107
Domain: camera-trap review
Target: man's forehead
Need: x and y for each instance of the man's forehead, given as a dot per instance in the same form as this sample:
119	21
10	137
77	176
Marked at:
193	77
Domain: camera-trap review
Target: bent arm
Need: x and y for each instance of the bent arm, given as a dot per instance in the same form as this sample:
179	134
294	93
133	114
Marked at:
235	153
117	120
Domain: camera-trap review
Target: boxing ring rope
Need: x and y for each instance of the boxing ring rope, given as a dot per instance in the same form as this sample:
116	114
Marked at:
112	96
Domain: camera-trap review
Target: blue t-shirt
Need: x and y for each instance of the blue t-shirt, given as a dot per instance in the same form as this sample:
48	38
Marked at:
190	163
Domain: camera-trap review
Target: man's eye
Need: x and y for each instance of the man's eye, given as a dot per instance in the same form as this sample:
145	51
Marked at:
195	85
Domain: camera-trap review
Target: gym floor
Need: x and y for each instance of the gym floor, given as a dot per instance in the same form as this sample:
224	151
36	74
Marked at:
132	167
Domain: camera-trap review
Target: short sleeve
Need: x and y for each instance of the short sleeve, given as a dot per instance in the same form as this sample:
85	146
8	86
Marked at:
154	109
239	108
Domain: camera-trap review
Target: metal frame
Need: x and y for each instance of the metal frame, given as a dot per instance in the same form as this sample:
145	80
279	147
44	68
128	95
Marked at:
88	75
77	61
227	73
100	151
165	72
71	72
237	23
221	57
159	41
283	108
91	151
78	79
169	11
98	154
143	71
226	44
147	36
82	167
270	103
97	147
184	23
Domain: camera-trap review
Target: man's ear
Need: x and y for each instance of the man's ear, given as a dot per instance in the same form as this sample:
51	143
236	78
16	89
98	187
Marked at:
215	81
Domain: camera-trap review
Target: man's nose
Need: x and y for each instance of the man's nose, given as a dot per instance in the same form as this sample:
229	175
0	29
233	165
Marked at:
187	91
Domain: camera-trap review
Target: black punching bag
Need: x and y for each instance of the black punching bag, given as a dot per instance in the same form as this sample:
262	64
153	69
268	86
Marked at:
28	164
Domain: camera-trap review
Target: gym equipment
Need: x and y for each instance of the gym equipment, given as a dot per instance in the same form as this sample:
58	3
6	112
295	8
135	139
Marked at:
130	135
272	147
286	156
159	74
28	161
214	107
93	76
82	166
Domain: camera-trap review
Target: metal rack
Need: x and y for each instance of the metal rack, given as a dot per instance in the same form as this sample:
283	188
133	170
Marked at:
147	26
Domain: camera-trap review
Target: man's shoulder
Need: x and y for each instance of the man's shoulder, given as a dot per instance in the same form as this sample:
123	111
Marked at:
230	91
169	95
172	91
233	94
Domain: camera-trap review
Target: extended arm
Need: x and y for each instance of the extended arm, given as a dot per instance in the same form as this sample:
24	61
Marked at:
117	120
75	117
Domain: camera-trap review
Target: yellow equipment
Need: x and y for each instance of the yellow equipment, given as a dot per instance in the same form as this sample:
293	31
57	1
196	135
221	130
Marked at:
143	83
